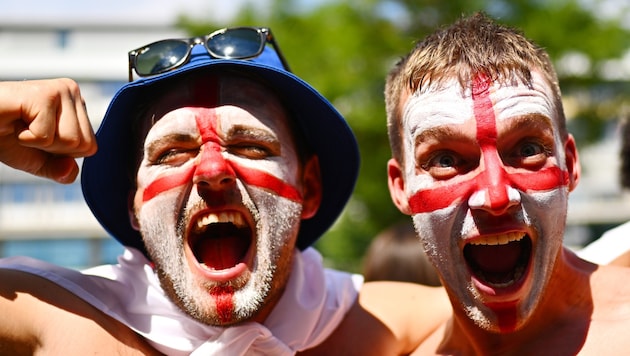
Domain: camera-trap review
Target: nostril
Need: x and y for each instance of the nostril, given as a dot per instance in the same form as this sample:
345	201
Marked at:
213	169
217	180
495	199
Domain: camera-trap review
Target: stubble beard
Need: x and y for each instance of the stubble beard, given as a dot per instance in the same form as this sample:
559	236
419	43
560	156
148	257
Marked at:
277	223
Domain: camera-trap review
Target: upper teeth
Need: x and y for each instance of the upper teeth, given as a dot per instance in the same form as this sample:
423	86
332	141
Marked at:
223	217
501	239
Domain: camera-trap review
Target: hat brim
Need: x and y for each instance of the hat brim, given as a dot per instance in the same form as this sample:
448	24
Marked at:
105	177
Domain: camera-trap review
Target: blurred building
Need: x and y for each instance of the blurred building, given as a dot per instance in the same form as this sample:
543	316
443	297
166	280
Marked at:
40	218
599	202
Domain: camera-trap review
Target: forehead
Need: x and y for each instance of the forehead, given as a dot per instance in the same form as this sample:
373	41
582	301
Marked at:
448	104
213	89
220	90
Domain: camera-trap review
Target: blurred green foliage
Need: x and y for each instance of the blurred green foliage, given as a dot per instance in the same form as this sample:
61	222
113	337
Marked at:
345	48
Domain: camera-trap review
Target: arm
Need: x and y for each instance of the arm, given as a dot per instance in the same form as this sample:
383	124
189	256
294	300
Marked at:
389	318
38	316
44	126
411	312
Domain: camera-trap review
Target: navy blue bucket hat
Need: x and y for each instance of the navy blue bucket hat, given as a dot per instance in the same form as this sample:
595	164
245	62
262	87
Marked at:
106	180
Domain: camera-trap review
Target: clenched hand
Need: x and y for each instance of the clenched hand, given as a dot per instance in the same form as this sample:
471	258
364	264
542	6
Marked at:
44	126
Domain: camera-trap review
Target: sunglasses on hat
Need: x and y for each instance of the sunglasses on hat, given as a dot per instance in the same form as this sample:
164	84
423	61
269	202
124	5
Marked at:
228	43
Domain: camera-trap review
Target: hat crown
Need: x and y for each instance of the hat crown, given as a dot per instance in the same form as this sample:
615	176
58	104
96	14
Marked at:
268	57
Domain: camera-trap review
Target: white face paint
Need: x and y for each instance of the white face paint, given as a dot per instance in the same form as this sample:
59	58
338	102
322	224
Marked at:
487	182
219	203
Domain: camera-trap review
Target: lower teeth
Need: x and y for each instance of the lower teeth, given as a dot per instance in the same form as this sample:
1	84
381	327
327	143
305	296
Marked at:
516	275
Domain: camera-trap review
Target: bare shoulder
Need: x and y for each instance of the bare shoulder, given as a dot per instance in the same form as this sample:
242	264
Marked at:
610	315
395	317
610	289
411	311
39	316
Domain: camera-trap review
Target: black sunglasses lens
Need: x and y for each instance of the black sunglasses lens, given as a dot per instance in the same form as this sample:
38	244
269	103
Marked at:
161	56
236	43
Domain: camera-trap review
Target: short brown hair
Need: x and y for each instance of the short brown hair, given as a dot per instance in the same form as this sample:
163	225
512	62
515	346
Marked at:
471	46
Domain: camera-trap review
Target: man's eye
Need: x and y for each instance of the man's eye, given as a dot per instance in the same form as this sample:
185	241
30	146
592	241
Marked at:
530	155
175	156
251	151
531	149
444	165
445	161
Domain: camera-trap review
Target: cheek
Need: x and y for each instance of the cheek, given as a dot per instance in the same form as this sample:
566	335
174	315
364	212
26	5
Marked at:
268	181
434	228
439	197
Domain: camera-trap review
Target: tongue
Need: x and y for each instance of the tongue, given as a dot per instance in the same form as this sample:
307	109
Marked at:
497	259
220	252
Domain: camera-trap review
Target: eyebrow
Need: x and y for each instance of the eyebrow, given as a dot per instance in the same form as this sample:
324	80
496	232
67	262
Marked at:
528	122
156	145
440	133
253	132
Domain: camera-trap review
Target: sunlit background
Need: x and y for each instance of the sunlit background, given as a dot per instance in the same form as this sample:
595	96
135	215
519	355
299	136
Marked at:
344	49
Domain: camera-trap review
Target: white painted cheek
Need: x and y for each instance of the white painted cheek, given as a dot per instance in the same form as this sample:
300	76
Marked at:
434	230
415	183
285	166
547	203
546	212
280	167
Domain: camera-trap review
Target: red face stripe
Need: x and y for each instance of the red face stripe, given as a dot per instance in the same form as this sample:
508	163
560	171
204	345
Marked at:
267	181
223	299
506	316
425	201
212	162
493	176
165	183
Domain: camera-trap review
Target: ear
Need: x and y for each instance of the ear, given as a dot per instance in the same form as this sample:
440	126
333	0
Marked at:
572	162
133	220
396	184
311	188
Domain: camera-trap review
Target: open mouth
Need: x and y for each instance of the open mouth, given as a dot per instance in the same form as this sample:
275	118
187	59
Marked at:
499	261
220	240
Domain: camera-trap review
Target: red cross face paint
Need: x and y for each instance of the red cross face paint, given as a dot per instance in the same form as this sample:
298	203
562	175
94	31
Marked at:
487	184
219	200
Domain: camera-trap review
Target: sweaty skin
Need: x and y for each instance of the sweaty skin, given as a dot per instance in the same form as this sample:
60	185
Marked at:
229	177
486	177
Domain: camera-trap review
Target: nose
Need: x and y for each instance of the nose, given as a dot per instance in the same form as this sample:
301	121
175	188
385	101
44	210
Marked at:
495	193
213	170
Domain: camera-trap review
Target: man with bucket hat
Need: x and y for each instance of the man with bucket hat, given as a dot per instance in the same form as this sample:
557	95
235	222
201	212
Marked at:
218	169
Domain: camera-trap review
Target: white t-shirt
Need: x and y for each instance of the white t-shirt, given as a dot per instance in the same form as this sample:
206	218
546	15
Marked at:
612	244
